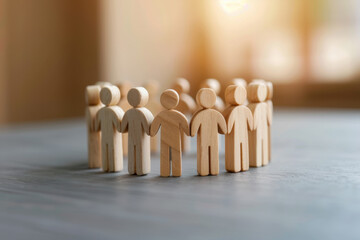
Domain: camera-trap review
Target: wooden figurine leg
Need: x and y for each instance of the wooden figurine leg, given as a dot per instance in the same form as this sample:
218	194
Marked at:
164	160
265	154
185	143
214	160
255	149
131	159
202	160
244	156
111	158
145	156
230	153
105	157
176	162
125	143
154	144
94	149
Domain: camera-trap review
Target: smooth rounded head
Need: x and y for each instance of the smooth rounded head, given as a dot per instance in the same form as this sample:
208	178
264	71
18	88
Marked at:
239	82
138	97
169	99
206	97
235	95
213	84
100	83
110	95
270	90
258	80
256	92
182	86
92	95
124	88
152	87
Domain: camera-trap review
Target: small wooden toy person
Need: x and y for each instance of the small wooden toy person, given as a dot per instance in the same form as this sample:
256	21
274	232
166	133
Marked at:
123	103
207	123
172	122
215	85
240	82
136	123
269	102
187	106
258	138
92	96
155	107
239	120
108	121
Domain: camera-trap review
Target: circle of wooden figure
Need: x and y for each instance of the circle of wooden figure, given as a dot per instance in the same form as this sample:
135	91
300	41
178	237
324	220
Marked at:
239	120
258	137
207	123
123	103
171	122
108	122
215	85
270	93
136	123
186	105
240	82
155	107
92	98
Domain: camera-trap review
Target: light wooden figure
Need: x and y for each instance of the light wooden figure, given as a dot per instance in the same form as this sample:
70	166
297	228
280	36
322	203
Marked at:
101	83
239	82
239	120
155	107
108	122
187	106
215	85
207	123
92	98
270	93
124	104
136	123
171	122
258	138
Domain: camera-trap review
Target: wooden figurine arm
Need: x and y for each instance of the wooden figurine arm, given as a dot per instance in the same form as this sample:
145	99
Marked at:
194	125
184	124
230	122
97	122
269	113
146	120
221	124
250	120
124	124
118	116
155	125
256	118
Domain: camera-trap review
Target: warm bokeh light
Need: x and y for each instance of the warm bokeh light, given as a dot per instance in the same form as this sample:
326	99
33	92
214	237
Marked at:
234	6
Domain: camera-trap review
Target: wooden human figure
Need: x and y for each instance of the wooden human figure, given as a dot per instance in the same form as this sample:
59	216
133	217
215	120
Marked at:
187	106
215	85
239	82
207	123
155	107
239	121
108	121
270	92
258	137
92	98
171	122
124	104
136	123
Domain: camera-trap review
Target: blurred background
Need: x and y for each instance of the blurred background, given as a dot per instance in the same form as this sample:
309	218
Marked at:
51	49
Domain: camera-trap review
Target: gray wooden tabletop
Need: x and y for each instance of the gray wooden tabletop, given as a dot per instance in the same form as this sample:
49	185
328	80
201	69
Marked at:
311	189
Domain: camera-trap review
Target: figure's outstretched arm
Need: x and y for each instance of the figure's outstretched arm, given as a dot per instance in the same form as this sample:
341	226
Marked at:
184	124
146	119
155	125
124	124
195	124
229	119
250	119
256	118
269	112
117	117
221	124
96	126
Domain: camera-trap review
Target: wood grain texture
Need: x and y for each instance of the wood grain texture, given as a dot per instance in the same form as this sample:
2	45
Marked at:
215	85
136	123
258	137
48	192
270	110
172	123
207	123
108	121
124	88
239	121
92	98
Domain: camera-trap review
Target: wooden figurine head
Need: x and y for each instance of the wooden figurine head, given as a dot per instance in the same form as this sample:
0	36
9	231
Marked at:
110	95
206	98
138	97
213	84
124	88
256	92
101	83
169	99
239	82
92	95
235	95
182	86
270	90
